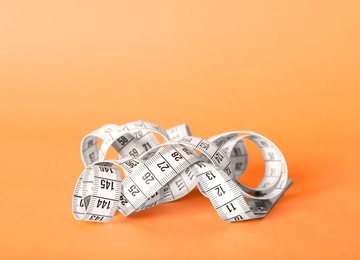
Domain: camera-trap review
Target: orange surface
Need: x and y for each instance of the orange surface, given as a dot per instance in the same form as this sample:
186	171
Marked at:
286	69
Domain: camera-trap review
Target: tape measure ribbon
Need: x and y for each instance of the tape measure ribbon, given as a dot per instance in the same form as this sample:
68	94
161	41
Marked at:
157	174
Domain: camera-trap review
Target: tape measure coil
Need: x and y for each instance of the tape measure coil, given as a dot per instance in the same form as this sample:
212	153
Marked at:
143	188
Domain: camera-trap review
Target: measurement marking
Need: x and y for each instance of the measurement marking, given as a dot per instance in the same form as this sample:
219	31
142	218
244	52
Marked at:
131	139
228	202
147	133
183	183
167	162
181	155
99	177
215	153
199	144
212	188
135	185
152	173
172	195
104	198
241	217
119	207
98	215
111	136
87	148
228	166
204	173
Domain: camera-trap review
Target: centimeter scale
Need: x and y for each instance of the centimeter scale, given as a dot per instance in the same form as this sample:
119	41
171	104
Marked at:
149	172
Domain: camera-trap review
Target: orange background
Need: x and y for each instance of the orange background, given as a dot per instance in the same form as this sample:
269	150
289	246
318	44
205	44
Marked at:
286	69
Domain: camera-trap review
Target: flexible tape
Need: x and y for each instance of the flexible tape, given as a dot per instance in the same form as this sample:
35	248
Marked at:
156	172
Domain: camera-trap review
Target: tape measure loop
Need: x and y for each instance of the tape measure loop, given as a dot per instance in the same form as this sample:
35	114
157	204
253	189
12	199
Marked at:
156	172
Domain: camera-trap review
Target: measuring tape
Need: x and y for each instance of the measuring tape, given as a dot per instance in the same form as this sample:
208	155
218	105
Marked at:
149	172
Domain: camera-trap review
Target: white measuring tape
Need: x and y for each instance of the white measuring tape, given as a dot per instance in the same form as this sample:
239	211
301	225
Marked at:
156	172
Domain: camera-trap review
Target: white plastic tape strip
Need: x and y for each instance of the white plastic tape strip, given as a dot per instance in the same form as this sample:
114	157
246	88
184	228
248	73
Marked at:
160	171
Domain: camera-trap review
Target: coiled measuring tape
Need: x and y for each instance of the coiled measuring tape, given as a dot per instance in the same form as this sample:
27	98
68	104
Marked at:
157	172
